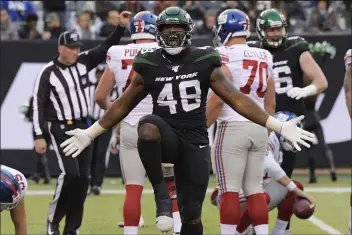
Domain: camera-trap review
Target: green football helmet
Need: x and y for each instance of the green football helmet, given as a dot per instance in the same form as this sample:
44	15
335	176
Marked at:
173	42
270	19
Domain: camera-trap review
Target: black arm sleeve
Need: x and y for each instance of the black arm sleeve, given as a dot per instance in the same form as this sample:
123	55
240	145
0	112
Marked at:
93	57
40	98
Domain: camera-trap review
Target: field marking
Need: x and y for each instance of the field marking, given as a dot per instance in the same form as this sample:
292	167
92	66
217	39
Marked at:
150	191
323	226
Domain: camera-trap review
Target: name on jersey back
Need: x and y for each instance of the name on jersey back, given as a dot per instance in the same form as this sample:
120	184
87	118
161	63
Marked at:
260	55
131	52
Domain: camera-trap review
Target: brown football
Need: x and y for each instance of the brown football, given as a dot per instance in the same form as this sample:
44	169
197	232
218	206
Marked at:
303	209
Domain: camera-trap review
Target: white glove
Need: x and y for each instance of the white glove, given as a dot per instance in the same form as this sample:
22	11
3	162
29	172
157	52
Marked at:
77	143
296	135
114	144
299	93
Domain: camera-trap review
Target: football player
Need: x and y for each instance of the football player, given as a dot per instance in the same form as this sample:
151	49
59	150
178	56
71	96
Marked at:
119	71
13	187
178	77
281	191
348	95
240	145
294	66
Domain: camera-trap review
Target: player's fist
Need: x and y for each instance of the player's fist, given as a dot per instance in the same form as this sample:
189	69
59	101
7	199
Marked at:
296	135
124	18
77	143
40	146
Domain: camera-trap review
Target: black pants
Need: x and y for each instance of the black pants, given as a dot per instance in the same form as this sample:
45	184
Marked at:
42	167
72	184
191	165
312	124
100	151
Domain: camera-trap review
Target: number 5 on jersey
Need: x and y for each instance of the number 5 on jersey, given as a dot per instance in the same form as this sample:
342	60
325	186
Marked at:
166	96
256	68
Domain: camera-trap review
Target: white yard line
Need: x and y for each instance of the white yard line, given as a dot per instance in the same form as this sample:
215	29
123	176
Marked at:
149	191
323	226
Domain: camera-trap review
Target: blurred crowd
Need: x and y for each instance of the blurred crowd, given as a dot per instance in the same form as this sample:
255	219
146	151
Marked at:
92	20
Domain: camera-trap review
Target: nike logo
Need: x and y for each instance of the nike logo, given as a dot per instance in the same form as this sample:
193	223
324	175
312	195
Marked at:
49	231
202	146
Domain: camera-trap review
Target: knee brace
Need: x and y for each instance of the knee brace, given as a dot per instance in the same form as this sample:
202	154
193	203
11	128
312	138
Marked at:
191	213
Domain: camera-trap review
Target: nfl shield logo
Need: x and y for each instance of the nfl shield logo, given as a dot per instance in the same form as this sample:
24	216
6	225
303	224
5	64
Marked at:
74	36
175	68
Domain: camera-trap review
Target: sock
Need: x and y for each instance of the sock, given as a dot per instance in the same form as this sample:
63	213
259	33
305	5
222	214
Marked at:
245	220
192	229
258	212
132	206
150	154
280	227
175	212
229	212
130	230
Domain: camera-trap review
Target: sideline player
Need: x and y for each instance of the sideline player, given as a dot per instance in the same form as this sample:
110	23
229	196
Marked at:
119	71
241	145
13	188
348	95
178	76
294	66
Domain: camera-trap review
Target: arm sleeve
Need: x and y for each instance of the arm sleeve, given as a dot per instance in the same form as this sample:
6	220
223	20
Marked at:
40	98
273	168
270	65
93	57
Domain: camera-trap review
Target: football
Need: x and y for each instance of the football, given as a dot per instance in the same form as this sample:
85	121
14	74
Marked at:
303	208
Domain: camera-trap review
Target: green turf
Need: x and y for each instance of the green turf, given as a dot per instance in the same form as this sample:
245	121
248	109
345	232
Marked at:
102	213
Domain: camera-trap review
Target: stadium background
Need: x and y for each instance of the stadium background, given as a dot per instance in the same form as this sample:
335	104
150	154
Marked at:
23	55
26	45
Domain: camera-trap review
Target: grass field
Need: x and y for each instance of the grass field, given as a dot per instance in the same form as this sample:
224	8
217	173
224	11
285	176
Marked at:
102	213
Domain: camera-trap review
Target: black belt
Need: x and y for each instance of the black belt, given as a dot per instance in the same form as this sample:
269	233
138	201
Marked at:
72	122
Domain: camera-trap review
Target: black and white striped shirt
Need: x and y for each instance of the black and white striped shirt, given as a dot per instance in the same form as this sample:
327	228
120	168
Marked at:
60	92
96	112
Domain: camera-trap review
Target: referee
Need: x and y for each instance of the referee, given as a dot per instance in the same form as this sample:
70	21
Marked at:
61	98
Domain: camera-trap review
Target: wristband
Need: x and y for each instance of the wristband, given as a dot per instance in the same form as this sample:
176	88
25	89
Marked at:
95	130
311	90
291	186
274	124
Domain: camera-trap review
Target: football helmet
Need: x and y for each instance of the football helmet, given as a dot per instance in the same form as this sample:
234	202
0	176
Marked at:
143	26
173	42
230	23
270	19
10	191
286	116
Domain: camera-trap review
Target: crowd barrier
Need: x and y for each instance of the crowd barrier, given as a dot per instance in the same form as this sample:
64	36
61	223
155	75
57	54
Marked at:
22	60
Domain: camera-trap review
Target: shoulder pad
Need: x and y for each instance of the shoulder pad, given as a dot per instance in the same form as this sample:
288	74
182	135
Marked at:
114	53
144	59
203	53
254	44
297	42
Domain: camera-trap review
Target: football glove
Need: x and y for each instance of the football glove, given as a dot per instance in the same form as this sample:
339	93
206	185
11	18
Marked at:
77	143
299	93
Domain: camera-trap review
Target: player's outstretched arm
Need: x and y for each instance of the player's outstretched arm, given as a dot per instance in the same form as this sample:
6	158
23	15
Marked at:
118	110
18	216
121	107
250	110
105	85
215	104
347	83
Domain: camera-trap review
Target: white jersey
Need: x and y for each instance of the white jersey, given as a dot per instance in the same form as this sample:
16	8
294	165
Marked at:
120	59
272	160
348	58
250	69
20	179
